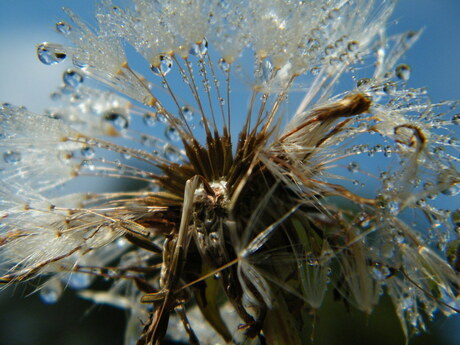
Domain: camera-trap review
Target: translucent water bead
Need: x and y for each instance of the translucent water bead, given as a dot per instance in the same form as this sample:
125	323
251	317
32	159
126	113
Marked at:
51	291
150	119
50	54
199	49
72	78
403	72
117	120
11	157
163	67
188	112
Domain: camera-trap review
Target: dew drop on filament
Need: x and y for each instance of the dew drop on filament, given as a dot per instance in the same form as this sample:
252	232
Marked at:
223	65
353	167
172	134
353	46
171	153
72	78
150	119
163	67
51	291
403	72
63	28
456	119
79	281
188	113
11	157
87	152
117	120
50	55
199	49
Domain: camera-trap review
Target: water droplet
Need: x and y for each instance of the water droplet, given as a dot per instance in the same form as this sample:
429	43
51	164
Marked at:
199	49
72	78
452	190
353	167
364	221
399	238
79	281
49	54
329	50
456	119
172	134
380	272
387	250
387	151
363	82
150	119
315	70
393	207
389	88
455	216
63	28
334	13
171	153
117	120
12	157
353	46
51	291
267	71
87	164
87	152
163	67
403	72
162	118
188	113
223	65
406	302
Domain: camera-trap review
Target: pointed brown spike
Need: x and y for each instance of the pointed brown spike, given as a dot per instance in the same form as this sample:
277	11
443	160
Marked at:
349	106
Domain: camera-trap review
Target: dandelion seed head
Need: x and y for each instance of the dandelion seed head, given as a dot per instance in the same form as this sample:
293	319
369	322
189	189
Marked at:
333	191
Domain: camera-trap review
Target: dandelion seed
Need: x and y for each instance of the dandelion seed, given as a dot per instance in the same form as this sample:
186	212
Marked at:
261	218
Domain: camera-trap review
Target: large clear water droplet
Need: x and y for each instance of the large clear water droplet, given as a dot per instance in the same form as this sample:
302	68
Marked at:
380	272
267	70
172	134
389	88
171	153
353	167
79	281
363	82
199	49
223	65
72	78
63	28
117	120
50	54
452	190
403	72
150	119
188	113
51	291
353	46
164	66
12	157
87	152
162	118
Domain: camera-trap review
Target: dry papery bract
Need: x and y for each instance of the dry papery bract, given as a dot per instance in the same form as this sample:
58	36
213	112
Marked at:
246	184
